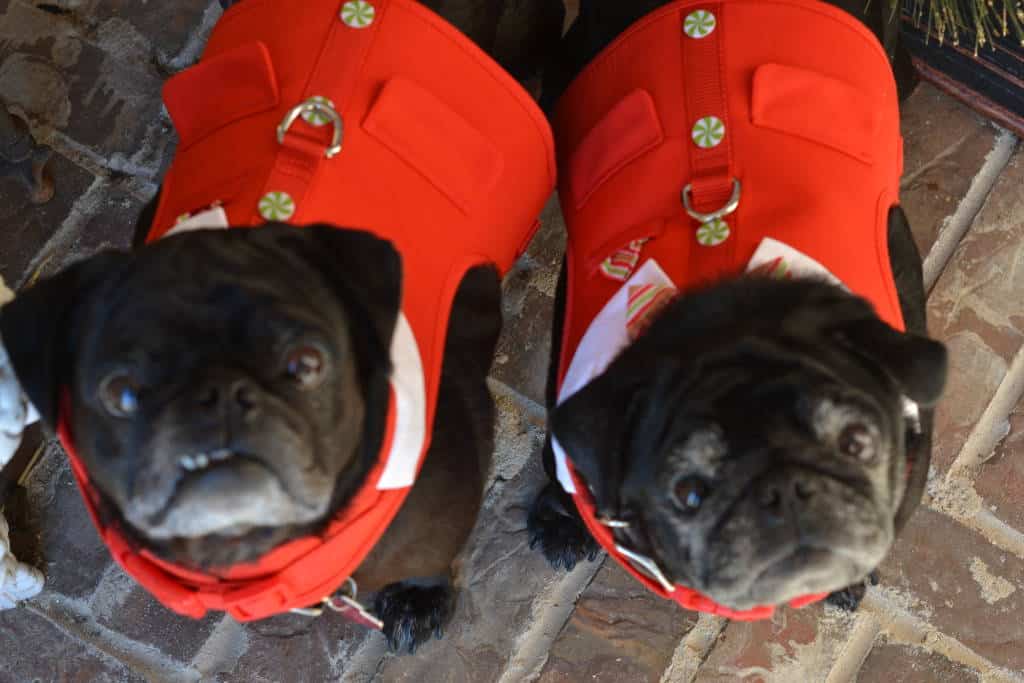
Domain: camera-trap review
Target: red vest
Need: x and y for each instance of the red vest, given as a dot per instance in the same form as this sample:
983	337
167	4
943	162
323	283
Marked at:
805	118
442	153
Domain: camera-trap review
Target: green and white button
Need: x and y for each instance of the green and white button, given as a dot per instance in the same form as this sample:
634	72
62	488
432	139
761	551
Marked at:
708	132
713	233
358	13
277	206
699	24
316	117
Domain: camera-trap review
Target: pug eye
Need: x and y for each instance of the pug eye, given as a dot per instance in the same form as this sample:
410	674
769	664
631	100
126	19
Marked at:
855	441
690	493
305	366
120	395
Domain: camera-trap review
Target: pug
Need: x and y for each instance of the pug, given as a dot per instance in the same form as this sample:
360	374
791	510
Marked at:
267	418
742	384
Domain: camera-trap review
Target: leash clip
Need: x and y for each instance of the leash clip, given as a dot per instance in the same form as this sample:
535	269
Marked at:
344	603
648	566
315	107
727	208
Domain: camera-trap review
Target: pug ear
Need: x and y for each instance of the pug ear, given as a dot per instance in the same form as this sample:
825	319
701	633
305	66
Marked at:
917	364
39	328
592	427
363	270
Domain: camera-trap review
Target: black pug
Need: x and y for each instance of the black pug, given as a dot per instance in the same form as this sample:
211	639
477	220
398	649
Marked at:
763	440
227	394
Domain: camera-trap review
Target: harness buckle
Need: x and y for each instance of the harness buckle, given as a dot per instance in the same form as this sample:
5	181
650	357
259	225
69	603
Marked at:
315	107
727	208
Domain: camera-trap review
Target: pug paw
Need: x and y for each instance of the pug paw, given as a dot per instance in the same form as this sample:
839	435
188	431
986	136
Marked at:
849	598
412	613
556	528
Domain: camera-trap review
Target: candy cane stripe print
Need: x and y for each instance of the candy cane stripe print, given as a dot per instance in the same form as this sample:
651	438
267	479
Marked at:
699	24
708	132
316	117
358	13
713	233
277	206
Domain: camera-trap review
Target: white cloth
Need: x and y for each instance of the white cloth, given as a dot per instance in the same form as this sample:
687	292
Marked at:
17	581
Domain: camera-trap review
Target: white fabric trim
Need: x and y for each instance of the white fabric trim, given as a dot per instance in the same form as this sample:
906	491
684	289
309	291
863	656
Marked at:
800	264
214	218
407	382
607	335
410	430
603	341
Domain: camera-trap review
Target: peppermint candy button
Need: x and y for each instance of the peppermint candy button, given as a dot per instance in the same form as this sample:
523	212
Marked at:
708	132
358	13
713	233
277	206
699	24
315	117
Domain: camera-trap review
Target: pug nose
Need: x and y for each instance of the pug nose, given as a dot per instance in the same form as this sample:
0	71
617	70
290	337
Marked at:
239	395
785	492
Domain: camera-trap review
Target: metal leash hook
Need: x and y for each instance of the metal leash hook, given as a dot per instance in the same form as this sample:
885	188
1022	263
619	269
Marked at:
727	208
344	603
647	566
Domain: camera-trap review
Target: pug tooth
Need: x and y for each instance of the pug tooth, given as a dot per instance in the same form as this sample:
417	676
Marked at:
188	463
202	461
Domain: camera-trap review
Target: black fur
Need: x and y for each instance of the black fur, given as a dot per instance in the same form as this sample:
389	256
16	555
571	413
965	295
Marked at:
412	614
555	527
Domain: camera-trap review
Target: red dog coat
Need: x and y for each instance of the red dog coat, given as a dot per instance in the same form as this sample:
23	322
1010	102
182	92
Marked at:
790	102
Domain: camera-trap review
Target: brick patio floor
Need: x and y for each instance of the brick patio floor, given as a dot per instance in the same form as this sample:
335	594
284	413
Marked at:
87	73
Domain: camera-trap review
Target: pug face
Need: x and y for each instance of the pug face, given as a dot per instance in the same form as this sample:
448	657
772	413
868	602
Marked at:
756	444
220	385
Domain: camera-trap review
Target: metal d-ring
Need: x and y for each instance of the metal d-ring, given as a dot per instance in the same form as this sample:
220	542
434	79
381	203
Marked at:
350	591
648	566
612	523
310	106
729	207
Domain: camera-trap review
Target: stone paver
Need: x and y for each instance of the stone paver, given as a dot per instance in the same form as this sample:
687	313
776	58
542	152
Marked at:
975	308
521	360
944	146
87	74
619	631
67	548
29	227
905	664
35	650
793	645
962	584
1001	480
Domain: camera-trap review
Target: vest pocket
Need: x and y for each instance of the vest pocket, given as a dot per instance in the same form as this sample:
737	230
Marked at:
436	141
817	108
221	90
630	129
